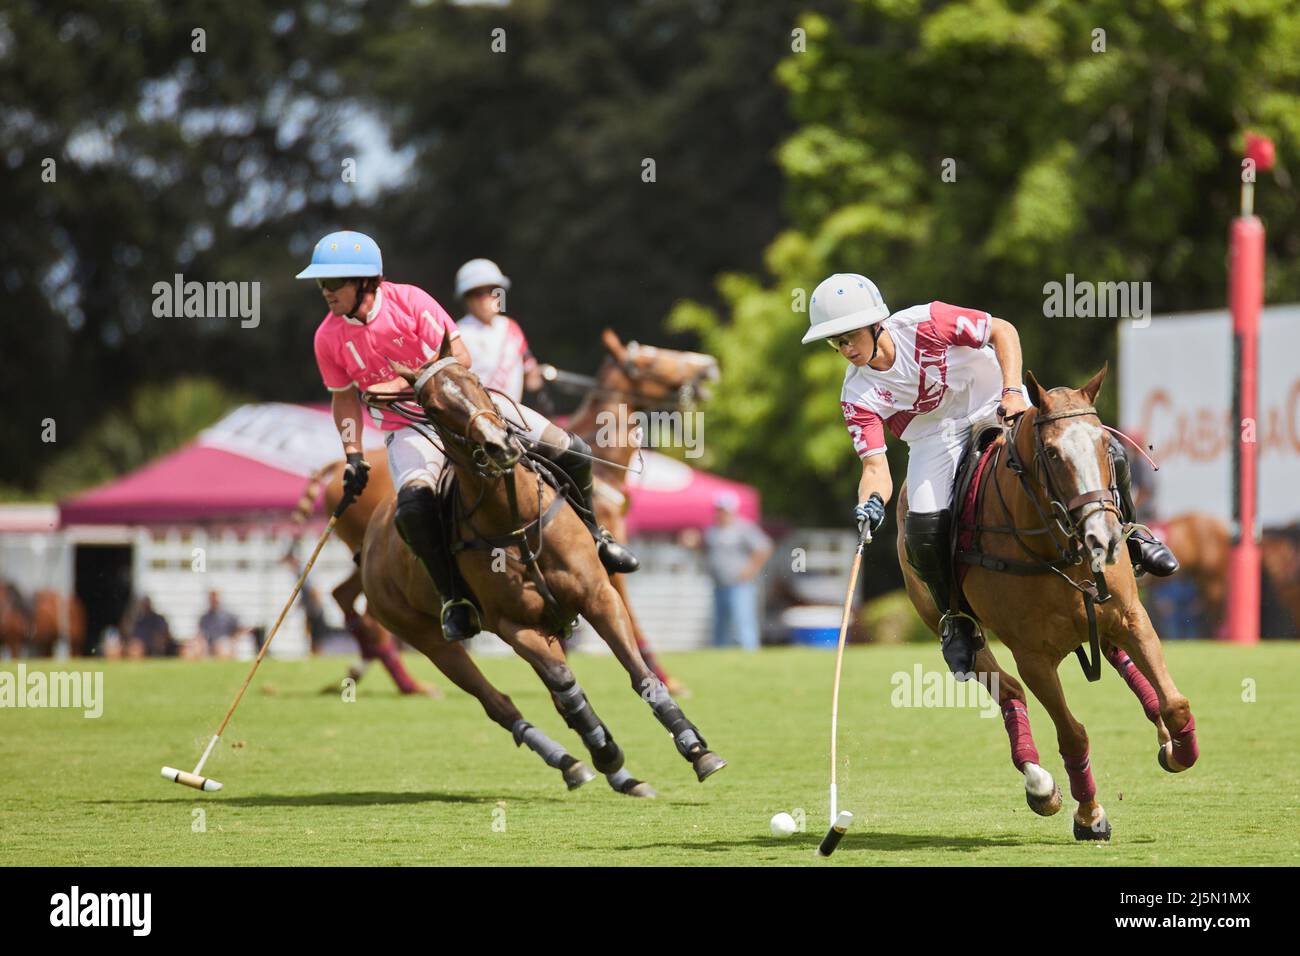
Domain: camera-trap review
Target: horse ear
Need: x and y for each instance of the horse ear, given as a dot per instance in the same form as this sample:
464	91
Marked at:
613	344
445	348
1094	384
1034	390
405	371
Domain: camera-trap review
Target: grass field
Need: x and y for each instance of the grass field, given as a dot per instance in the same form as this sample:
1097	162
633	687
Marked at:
389	780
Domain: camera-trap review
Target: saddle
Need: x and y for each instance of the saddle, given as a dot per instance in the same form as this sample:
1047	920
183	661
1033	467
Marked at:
968	489
453	515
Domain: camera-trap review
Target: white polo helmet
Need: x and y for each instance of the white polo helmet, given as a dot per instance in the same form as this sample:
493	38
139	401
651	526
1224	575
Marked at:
477	274
842	303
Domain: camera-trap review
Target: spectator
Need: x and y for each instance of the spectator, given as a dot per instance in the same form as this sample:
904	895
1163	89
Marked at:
218	629
735	550
149	634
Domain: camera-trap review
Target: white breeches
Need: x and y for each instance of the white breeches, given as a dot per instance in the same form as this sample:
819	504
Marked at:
933	459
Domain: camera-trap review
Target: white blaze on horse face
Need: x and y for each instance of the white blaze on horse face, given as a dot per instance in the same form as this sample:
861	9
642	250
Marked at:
1078	445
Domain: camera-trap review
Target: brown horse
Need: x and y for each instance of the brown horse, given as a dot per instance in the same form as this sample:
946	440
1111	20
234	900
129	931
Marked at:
38	625
634	378
533	566
1049	481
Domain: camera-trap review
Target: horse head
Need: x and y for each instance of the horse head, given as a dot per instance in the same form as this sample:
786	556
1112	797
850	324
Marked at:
462	411
655	376
1071	459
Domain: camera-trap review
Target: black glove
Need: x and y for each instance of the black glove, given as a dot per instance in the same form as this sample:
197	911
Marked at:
872	512
355	475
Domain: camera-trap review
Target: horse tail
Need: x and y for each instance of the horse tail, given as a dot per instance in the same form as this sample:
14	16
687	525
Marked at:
306	506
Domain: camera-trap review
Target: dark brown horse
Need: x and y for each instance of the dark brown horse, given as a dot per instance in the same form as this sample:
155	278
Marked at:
1049	479
532	564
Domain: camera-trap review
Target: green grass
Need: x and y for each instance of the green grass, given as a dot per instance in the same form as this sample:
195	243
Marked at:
389	780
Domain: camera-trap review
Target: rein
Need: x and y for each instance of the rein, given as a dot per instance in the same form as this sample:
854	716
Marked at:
406	405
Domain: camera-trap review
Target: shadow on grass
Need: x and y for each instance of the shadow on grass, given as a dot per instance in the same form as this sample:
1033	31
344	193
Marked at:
866	841
363	798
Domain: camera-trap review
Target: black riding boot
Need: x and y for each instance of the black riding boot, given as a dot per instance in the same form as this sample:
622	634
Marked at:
1146	551
576	463
419	522
926	537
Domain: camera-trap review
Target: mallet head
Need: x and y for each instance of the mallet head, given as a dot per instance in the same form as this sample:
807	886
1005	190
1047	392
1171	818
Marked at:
835	834
190	779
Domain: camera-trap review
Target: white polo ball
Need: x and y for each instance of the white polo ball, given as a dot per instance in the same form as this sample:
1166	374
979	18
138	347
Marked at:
782	824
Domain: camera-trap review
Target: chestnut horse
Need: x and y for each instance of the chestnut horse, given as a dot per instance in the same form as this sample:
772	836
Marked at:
640	378
1045	507
532	564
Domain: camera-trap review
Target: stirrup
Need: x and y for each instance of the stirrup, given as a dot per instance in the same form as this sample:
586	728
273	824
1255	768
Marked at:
472	623
952	638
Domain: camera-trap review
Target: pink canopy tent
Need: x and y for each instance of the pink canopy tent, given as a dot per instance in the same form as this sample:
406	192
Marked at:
255	462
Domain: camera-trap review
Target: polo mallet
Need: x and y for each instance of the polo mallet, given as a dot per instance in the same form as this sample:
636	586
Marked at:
196	779
841	819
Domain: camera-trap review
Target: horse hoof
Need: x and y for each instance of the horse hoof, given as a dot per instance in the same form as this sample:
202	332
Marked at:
623	782
1041	791
1099	829
577	773
1045	806
707	764
1166	761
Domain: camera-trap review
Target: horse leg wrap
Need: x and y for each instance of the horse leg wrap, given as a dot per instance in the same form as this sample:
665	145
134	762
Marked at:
621	781
583	720
685	734
1184	744
1137	683
1079	769
546	748
1016	718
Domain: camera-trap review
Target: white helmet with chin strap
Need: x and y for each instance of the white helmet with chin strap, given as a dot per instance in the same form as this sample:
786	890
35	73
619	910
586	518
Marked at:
843	303
479	274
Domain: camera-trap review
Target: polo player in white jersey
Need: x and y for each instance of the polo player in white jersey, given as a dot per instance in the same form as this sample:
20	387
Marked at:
929	374
502	358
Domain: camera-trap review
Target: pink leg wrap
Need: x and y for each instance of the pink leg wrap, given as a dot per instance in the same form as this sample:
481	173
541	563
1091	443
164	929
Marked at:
382	650
1016	720
1079	769
1137	683
1184	744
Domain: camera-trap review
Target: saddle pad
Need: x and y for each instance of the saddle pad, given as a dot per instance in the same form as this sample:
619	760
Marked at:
966	514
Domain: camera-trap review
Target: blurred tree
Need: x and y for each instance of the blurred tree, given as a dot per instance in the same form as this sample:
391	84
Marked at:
1119	165
159	419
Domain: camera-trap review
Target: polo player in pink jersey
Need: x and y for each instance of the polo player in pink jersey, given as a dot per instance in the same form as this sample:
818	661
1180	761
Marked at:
932	373
370	322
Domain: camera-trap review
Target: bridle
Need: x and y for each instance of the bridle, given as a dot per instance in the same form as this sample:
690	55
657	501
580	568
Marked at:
407	405
1069	514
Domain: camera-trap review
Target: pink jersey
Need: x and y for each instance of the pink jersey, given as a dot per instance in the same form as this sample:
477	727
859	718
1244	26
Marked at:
943	369
500	353
406	324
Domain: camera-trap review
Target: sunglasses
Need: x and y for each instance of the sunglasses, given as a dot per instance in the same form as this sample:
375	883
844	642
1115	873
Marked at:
840	341
331	285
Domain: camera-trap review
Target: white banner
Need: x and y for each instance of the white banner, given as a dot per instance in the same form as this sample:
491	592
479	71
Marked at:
1176	391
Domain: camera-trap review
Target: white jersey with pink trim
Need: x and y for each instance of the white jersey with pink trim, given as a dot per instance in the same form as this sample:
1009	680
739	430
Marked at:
500	353
943	369
406	324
